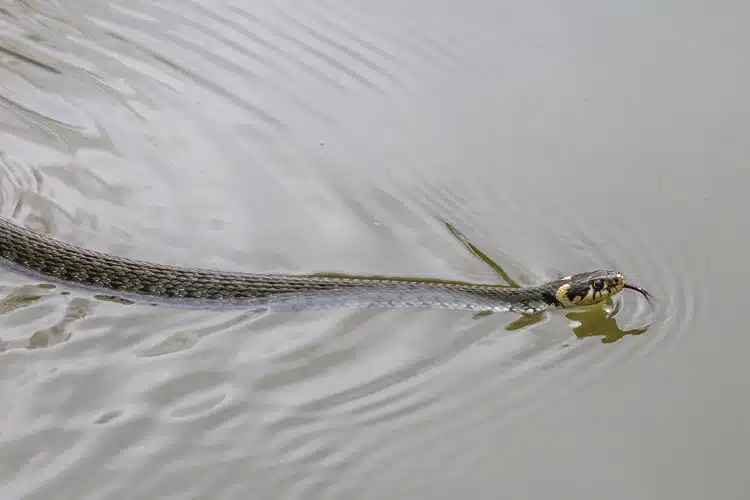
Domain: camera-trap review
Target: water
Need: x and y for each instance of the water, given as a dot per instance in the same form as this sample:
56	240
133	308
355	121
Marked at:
341	137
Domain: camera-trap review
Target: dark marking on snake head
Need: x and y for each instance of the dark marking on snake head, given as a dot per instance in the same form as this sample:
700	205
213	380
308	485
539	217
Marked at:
577	289
548	296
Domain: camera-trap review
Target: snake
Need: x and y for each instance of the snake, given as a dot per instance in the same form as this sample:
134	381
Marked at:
110	277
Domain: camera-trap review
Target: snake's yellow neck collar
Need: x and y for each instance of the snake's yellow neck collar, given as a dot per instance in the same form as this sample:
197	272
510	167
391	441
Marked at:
576	292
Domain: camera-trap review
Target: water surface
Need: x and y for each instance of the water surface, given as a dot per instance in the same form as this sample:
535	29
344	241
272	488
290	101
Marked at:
342	137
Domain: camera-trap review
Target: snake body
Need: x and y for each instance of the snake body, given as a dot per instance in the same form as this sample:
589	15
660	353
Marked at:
108	276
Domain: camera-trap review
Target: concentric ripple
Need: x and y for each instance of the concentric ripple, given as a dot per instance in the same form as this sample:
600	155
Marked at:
303	137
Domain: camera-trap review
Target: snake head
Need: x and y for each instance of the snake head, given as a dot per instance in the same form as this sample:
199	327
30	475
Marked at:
589	288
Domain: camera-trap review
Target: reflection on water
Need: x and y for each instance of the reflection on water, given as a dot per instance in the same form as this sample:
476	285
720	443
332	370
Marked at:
599	323
496	141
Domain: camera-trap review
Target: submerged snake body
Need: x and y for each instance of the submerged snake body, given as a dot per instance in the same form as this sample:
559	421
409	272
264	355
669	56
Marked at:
59	263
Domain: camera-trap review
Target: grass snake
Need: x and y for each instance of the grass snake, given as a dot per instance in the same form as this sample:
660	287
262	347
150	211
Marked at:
112	277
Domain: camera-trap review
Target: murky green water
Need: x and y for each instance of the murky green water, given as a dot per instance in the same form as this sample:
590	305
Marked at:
339	137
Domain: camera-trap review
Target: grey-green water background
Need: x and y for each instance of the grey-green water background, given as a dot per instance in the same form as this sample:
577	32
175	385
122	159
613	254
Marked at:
332	136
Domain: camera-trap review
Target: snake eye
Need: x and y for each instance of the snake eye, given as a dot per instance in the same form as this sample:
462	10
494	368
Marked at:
598	284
